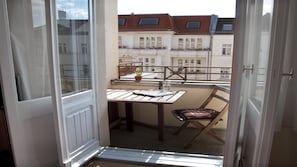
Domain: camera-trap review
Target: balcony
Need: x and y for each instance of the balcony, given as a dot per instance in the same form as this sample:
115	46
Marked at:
145	136
198	85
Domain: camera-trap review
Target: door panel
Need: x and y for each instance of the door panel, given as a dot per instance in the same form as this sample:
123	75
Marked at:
73	81
79	114
259	24
254	82
25	72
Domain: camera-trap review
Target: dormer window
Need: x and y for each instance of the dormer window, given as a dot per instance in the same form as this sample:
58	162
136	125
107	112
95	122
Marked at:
122	21
149	21
193	25
227	27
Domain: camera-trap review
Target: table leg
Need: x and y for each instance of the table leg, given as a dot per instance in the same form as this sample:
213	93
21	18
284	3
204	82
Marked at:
161	121
129	116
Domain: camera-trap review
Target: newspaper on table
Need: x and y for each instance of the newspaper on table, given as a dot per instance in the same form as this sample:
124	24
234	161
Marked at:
154	93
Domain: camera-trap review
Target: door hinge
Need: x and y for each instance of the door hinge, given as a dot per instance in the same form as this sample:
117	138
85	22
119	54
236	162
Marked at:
248	68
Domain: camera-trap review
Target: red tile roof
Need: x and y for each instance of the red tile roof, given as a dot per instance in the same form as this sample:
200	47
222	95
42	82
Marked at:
180	23
132	23
166	23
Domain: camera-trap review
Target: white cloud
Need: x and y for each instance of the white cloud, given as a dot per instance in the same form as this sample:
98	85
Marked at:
75	9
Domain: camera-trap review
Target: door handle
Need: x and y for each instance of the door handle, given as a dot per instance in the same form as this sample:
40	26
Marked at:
290	74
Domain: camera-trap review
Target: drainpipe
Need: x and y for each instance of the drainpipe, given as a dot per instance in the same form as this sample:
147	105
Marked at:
213	25
209	58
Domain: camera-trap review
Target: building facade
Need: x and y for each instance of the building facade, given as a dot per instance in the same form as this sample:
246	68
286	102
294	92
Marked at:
195	42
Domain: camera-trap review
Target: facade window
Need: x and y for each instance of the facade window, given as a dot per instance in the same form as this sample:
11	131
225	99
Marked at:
153	60
120	43
146	60
227	27
148	42
186	61
192	61
141	42
180	43
140	60
153	42
179	62
62	48
121	21
198	62
193	25
225	73
159	42
199	43
149	21
226	49
187	43
84	48
192	43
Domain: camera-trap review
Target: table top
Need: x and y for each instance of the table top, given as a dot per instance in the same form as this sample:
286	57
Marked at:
126	95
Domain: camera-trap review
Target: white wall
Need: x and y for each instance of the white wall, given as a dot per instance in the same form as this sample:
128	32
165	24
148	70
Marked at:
218	40
107	59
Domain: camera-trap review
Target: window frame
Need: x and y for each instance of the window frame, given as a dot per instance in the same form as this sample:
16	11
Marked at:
193	25
149	21
121	21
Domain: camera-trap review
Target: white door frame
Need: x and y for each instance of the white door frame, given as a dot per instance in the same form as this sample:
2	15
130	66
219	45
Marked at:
26	119
75	115
273	82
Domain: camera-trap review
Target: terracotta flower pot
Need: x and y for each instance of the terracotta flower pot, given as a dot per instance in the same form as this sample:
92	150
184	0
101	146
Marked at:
138	78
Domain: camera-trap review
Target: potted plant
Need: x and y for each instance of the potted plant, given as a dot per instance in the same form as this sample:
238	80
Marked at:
138	75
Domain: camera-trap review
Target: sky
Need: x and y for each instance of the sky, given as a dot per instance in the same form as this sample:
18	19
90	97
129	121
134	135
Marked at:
75	9
222	8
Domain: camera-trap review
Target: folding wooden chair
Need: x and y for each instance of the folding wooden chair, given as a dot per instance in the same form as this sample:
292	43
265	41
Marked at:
211	110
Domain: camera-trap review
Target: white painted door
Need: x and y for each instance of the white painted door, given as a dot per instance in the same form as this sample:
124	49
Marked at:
73	81
260	47
255	76
25	79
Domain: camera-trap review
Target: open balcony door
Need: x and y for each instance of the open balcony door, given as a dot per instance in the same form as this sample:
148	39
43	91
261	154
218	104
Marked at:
73	81
259	55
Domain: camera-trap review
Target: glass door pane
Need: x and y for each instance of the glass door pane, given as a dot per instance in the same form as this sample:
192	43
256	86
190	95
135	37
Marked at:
262	31
28	32
74	45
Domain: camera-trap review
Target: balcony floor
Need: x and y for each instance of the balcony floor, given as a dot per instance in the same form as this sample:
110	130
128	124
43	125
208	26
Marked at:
147	139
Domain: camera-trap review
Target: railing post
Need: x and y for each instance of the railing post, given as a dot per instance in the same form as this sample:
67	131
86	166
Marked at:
164	73
119	72
186	73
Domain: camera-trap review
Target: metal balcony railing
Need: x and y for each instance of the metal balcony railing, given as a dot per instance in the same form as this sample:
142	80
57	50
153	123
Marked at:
183	73
126	71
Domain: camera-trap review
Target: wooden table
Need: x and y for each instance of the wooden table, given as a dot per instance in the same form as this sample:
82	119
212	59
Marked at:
129	97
